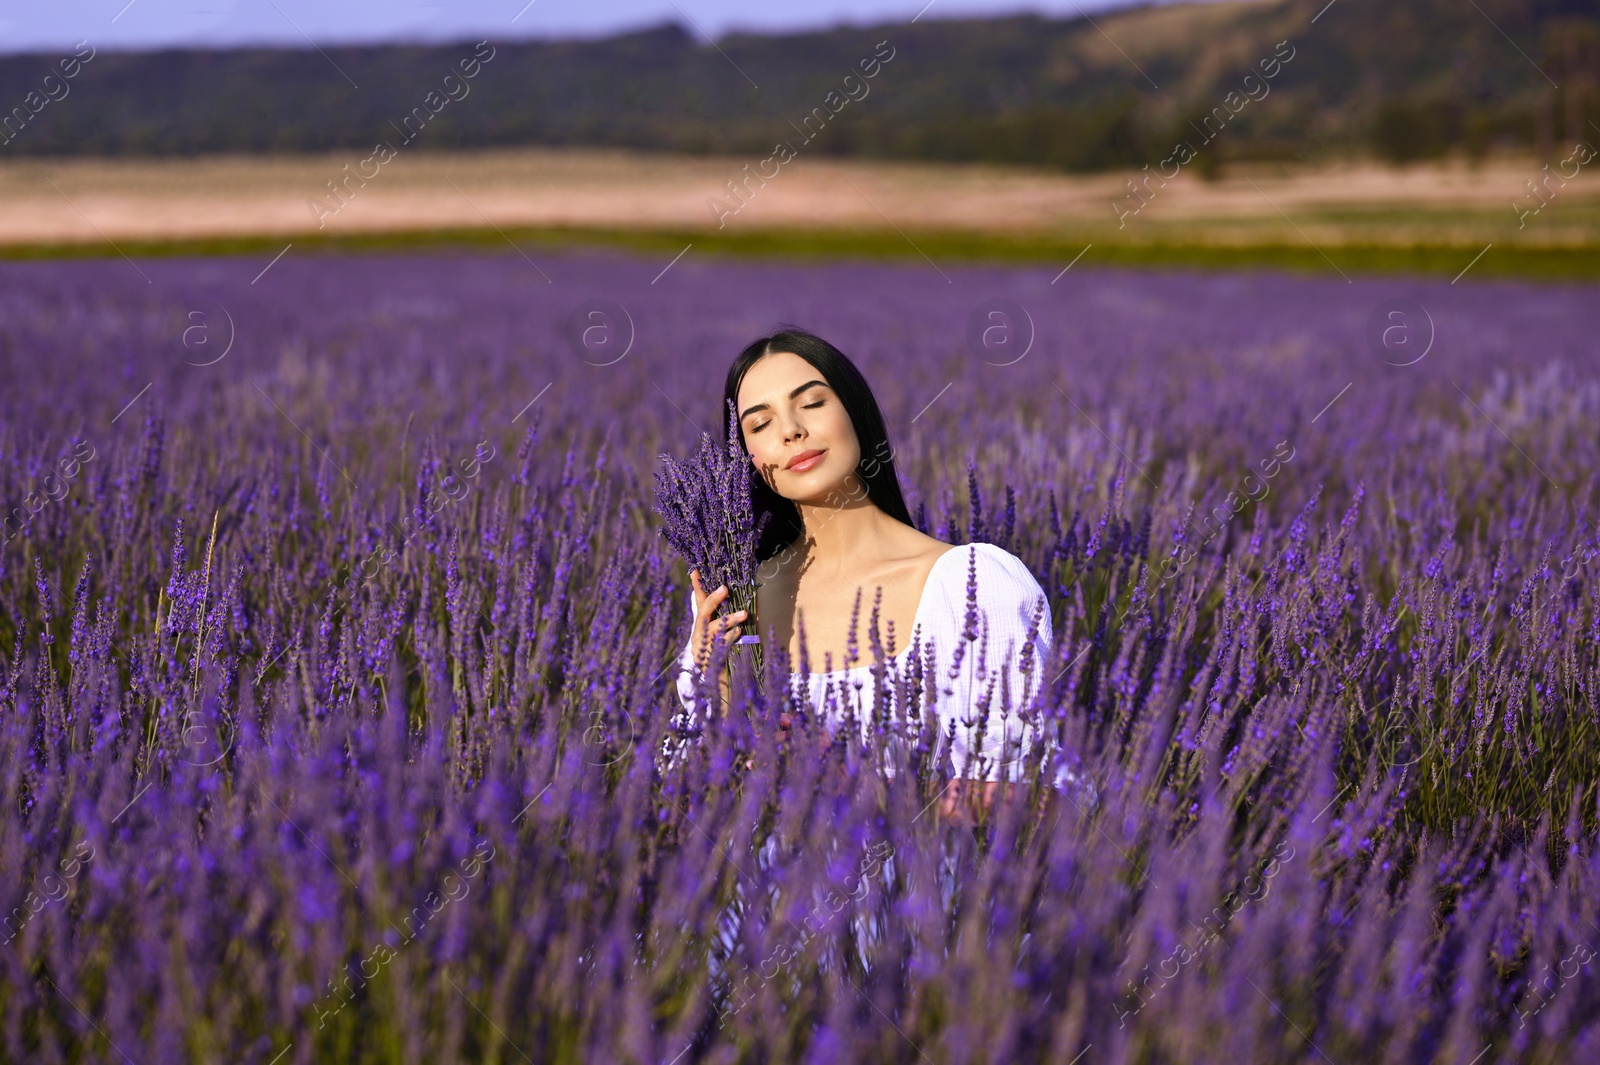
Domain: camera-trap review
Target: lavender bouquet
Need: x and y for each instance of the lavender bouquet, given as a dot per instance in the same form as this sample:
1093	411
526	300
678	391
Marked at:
704	503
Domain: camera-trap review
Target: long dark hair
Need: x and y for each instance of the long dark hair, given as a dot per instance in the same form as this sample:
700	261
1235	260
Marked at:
876	468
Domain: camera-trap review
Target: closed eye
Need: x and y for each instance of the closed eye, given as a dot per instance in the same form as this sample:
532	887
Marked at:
808	406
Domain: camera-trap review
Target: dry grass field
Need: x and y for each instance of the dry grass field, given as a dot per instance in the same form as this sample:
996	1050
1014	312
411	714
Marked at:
75	205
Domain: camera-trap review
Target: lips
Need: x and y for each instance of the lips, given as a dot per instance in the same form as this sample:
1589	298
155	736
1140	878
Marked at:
805	460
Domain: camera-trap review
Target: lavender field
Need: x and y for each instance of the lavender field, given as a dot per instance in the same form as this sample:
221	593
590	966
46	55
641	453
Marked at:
336	635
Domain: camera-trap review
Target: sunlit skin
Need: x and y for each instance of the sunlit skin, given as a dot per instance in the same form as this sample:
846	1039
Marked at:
786	408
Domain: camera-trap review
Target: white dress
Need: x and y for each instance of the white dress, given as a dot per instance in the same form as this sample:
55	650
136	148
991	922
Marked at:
987	666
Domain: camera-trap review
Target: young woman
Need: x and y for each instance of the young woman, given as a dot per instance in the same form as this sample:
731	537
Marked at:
971	624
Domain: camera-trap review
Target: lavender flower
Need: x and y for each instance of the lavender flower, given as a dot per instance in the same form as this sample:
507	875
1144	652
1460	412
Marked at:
705	506
1347	765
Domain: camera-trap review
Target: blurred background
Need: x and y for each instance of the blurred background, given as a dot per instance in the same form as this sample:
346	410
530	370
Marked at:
1344	136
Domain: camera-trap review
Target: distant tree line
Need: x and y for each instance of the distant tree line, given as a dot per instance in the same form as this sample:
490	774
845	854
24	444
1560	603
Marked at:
1423	124
1405	82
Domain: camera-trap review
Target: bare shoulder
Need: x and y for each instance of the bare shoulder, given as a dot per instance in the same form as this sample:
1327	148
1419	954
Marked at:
922	548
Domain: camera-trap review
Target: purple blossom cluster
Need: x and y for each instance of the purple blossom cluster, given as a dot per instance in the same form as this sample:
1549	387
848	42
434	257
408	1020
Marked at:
705	508
284	762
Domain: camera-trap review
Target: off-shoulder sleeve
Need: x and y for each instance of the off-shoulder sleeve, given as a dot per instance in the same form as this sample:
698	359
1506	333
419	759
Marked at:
671	747
994	634
686	667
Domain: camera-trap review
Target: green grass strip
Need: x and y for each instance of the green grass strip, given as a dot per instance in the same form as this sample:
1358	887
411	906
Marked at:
942	247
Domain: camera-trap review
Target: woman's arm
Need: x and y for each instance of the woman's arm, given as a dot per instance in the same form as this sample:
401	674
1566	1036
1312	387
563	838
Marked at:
703	628
687	719
966	802
995	641
1001	622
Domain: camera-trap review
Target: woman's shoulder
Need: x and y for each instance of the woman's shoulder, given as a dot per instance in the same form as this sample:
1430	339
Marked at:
985	579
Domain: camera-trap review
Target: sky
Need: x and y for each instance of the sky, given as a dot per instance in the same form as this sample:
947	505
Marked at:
119	25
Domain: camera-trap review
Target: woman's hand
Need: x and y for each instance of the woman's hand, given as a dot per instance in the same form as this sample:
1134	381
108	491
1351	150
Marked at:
707	627
785	722
965	801
977	798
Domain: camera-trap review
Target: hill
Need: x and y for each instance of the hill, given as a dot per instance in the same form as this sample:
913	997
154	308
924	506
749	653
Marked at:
1275	79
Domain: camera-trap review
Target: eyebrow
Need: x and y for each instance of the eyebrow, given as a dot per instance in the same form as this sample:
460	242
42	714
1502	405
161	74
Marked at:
764	406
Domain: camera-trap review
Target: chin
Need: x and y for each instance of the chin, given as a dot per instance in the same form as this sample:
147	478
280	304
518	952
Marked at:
824	494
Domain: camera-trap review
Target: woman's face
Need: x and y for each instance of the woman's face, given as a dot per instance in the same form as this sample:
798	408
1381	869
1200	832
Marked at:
788	412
